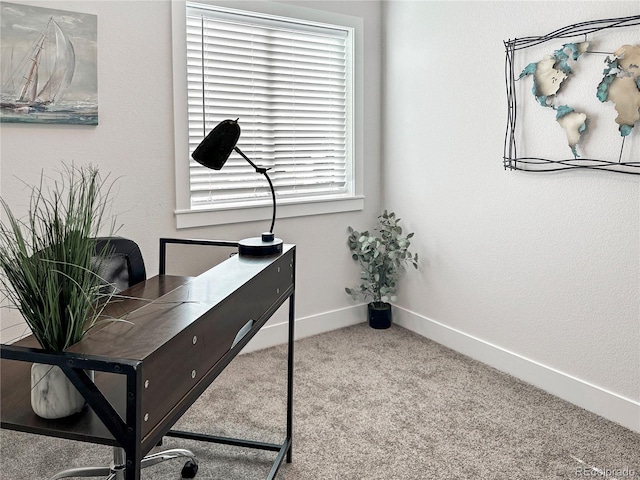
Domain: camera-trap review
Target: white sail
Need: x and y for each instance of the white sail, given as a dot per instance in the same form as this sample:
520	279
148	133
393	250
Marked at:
56	72
63	68
30	88
32	93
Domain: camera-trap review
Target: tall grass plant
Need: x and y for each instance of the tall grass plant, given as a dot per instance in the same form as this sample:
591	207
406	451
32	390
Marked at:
48	262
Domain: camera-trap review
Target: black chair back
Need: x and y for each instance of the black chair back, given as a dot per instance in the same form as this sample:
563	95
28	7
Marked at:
123	266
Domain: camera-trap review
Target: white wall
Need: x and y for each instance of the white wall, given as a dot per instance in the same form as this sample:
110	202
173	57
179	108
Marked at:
537	274
134	141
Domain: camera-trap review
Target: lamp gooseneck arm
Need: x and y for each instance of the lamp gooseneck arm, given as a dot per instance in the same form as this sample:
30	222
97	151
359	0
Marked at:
263	171
273	196
258	169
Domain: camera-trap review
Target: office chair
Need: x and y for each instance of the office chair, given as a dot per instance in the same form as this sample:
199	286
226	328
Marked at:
122	268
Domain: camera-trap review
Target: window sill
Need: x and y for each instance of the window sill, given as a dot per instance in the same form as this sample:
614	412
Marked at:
240	214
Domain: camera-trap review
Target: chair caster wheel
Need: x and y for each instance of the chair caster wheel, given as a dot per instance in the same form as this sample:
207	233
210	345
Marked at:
189	470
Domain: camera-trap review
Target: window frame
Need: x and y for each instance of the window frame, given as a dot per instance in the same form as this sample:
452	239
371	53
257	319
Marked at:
188	217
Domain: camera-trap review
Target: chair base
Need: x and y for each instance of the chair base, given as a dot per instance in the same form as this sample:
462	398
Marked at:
117	469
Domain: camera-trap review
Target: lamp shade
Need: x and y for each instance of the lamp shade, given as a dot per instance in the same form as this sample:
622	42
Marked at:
215	149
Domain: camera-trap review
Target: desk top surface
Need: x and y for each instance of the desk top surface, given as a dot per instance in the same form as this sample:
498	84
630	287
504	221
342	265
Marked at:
163	310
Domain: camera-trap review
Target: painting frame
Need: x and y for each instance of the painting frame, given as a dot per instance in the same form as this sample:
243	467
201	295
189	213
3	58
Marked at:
49	66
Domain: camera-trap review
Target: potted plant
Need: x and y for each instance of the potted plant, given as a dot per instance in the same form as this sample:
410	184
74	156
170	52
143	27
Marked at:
49	273
382	257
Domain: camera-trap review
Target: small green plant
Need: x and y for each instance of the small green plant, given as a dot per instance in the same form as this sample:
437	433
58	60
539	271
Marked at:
382	257
48	263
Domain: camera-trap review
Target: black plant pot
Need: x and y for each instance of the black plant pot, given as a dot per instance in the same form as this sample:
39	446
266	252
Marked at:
379	315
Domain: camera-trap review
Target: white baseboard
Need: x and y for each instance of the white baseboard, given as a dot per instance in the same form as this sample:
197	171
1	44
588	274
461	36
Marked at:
277	334
607	404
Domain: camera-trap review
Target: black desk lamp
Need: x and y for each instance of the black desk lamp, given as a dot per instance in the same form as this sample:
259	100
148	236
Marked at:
213	152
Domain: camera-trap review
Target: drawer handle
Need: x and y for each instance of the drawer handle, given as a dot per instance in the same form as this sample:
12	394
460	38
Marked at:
242	332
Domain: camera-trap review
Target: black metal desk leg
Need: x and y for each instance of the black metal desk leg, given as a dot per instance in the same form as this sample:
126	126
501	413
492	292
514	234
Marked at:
290	375
132	448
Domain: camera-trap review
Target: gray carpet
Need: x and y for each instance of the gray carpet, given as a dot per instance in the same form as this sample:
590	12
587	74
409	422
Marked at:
372	404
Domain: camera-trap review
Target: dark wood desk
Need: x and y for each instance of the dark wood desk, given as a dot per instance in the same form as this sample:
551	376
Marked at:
181	336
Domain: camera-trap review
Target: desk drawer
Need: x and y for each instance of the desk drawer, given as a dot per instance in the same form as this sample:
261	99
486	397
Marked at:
174	370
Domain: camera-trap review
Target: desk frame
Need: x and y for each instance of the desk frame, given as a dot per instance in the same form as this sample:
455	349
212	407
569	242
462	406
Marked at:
127	432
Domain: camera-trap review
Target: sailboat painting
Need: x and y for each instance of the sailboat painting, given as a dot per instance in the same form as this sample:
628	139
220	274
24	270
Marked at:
49	66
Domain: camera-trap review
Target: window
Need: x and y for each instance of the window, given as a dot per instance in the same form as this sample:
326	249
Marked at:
290	84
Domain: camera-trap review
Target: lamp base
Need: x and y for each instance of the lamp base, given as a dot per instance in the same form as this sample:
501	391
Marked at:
267	244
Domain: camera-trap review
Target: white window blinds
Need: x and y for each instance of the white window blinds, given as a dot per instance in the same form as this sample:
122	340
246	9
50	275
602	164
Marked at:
288	83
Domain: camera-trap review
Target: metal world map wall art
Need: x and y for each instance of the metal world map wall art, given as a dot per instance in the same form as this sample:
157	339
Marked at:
586	77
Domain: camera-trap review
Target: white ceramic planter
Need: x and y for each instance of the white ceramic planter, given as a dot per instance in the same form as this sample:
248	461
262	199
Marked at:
52	393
